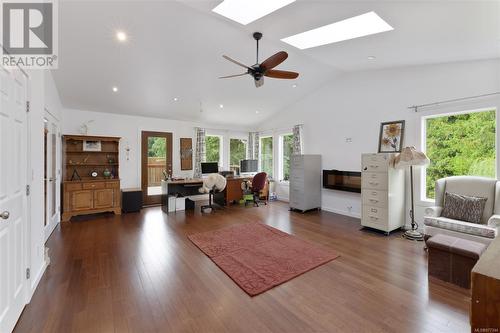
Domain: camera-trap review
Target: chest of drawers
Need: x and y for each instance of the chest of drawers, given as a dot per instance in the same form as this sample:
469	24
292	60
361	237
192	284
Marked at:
382	193
305	182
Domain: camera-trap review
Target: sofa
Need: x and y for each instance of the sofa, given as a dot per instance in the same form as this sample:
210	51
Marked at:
485	231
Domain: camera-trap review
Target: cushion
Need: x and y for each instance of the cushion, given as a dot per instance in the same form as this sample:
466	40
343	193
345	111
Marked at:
463	207
480	187
459	246
461	226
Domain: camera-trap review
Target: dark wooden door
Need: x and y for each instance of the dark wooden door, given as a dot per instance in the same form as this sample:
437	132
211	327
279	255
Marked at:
156	161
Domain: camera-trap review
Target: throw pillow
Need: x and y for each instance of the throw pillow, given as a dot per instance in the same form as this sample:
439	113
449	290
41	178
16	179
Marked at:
463	207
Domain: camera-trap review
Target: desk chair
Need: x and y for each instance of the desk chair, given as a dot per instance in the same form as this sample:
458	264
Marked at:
213	184
258	184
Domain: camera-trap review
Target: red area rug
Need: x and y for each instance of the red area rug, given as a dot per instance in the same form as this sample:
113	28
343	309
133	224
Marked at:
258	257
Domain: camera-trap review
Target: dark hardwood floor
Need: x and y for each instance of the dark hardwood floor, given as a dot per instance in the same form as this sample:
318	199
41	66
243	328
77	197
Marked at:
139	273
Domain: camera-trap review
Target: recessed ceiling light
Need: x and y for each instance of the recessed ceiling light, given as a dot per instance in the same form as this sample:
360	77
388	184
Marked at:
115	89
121	36
294	85
176	99
221	106
257	112
246	11
372	57
354	27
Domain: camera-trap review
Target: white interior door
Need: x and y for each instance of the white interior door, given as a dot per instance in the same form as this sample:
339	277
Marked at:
13	203
52	173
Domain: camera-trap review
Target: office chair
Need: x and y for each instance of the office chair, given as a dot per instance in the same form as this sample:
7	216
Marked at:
258	184
213	184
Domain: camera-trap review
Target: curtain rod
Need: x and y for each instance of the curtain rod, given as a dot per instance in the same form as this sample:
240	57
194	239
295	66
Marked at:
278	129
416	107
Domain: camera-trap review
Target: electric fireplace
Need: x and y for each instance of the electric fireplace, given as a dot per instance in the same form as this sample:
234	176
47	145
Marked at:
349	181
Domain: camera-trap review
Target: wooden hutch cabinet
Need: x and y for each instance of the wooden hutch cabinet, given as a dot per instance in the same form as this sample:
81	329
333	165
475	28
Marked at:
91	182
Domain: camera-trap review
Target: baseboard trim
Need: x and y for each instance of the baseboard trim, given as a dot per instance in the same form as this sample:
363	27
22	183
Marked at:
36	281
341	212
331	210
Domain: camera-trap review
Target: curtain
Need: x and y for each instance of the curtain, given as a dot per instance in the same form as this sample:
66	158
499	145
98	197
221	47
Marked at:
253	146
250	146
256	146
297	139
200	152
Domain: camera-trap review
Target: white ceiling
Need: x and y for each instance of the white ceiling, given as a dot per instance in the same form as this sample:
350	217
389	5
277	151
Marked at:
175	48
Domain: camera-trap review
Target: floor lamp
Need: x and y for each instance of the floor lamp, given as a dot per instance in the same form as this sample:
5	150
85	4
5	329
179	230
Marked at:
410	157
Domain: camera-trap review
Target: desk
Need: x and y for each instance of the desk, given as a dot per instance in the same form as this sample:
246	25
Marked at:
234	193
178	188
183	188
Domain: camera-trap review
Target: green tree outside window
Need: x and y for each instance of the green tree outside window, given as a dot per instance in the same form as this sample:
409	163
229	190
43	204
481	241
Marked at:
157	147
212	148
266	155
287	141
460	144
237	152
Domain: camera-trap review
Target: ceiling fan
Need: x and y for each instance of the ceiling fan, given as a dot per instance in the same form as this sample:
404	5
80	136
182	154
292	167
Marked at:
259	70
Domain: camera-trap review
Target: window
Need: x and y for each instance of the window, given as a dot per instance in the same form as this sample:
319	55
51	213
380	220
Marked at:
237	152
460	144
266	155
286	150
213	147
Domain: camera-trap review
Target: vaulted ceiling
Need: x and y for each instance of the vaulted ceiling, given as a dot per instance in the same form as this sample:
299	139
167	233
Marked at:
174	50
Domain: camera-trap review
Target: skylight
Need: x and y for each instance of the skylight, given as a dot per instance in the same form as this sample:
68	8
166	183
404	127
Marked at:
247	11
354	27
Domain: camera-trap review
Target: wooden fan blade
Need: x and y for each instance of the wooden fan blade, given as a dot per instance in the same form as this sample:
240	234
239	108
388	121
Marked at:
235	62
274	61
230	76
277	74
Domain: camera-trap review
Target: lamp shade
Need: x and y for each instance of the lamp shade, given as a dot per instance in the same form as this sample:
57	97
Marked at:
409	156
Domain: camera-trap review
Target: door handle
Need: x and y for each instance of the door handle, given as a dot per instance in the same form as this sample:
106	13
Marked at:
5	215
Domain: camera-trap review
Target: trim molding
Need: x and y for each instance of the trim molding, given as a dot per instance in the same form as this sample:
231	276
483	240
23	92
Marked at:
36	281
331	210
341	212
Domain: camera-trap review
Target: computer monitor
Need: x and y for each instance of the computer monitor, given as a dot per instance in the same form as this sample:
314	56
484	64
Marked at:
249	166
209	167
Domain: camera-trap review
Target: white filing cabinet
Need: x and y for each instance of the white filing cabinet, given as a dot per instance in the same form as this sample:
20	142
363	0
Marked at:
305	182
382	193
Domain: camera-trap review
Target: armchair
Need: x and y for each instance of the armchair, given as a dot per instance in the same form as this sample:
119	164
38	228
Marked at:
483	232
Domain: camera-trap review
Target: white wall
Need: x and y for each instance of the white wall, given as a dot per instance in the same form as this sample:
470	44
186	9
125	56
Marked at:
43	96
353	106
129	128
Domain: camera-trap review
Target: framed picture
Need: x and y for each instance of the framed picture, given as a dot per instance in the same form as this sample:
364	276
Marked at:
186	154
391	136
91	145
